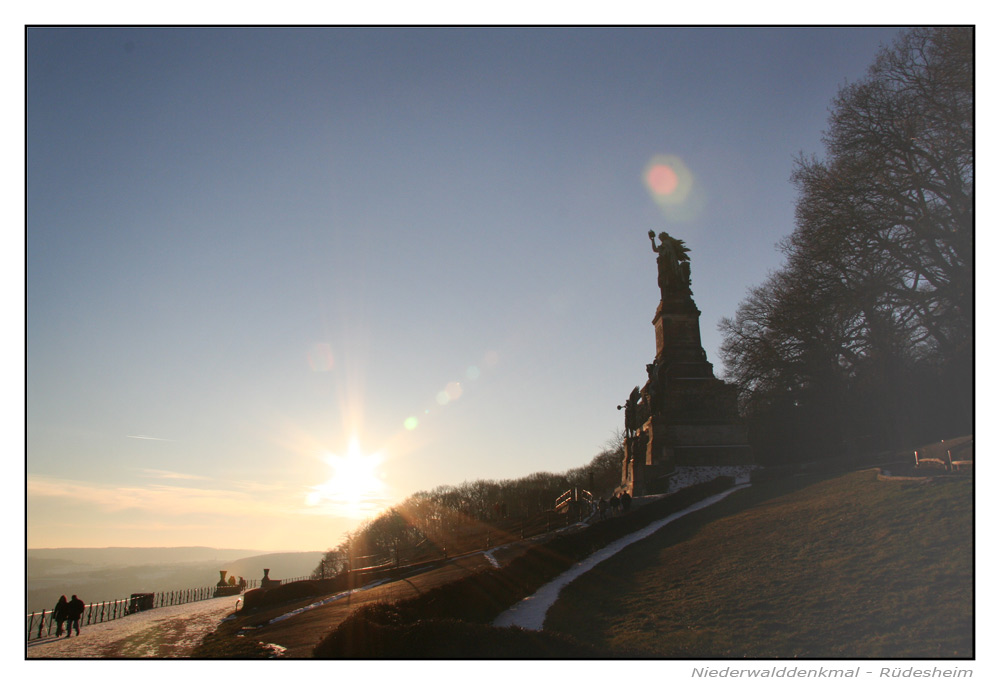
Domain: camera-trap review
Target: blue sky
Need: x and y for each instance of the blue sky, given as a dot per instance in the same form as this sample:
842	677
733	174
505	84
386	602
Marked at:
249	249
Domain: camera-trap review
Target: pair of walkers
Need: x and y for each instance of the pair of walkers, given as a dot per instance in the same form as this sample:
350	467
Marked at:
621	503
68	612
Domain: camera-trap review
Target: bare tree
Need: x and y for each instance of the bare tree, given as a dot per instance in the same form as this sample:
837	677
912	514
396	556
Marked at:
873	307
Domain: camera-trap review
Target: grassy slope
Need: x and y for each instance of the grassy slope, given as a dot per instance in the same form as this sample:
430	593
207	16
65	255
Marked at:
845	567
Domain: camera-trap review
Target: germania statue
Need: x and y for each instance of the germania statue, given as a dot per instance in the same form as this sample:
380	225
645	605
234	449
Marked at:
673	266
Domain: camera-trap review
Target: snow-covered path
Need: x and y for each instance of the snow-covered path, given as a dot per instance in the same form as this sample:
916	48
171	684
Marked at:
165	632
530	612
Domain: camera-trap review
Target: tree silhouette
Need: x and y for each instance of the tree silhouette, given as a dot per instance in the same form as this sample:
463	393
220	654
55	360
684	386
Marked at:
865	335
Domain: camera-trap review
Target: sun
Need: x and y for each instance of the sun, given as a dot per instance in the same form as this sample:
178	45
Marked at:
356	488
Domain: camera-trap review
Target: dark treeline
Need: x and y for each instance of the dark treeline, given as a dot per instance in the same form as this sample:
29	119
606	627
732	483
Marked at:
863	339
448	516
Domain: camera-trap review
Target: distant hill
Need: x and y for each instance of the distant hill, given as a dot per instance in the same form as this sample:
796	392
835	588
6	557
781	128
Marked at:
102	574
281	564
133	556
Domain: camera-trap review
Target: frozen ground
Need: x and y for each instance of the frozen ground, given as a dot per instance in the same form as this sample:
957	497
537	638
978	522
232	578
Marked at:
166	632
530	612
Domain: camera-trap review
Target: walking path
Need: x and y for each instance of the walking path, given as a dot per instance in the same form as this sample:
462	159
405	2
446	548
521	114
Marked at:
165	632
530	612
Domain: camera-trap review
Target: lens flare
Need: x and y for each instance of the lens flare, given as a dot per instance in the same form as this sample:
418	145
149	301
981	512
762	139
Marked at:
668	179
411	423
661	179
321	357
671	185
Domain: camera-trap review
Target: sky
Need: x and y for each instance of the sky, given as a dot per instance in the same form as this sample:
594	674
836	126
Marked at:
278	279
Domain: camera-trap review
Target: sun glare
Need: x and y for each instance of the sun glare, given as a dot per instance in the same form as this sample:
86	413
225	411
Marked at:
356	488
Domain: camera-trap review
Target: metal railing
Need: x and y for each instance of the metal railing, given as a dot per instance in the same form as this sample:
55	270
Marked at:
40	624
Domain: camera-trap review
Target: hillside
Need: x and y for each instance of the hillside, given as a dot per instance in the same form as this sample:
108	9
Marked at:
137	556
851	566
847	565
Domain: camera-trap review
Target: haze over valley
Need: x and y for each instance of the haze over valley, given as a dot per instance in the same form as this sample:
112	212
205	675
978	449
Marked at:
109	573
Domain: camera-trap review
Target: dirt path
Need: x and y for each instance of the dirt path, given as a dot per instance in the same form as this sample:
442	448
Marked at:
297	635
300	633
159	633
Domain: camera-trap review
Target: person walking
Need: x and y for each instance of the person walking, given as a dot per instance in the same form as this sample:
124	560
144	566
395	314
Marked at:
626	502
73	615
59	614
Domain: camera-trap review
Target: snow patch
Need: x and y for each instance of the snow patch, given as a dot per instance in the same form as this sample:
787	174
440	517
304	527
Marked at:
686	476
277	651
327	600
530	612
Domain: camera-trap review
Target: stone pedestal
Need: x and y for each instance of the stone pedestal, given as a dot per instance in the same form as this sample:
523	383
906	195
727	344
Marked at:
268	582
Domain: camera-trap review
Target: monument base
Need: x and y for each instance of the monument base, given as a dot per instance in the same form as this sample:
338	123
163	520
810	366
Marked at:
684	417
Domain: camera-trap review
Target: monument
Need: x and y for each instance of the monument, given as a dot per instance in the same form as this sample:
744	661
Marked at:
682	426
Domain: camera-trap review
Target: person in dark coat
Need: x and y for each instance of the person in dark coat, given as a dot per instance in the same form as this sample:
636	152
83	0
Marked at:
75	611
60	614
626	502
615	502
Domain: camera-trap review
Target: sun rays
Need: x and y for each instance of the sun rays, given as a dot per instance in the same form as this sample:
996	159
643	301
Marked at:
356	488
